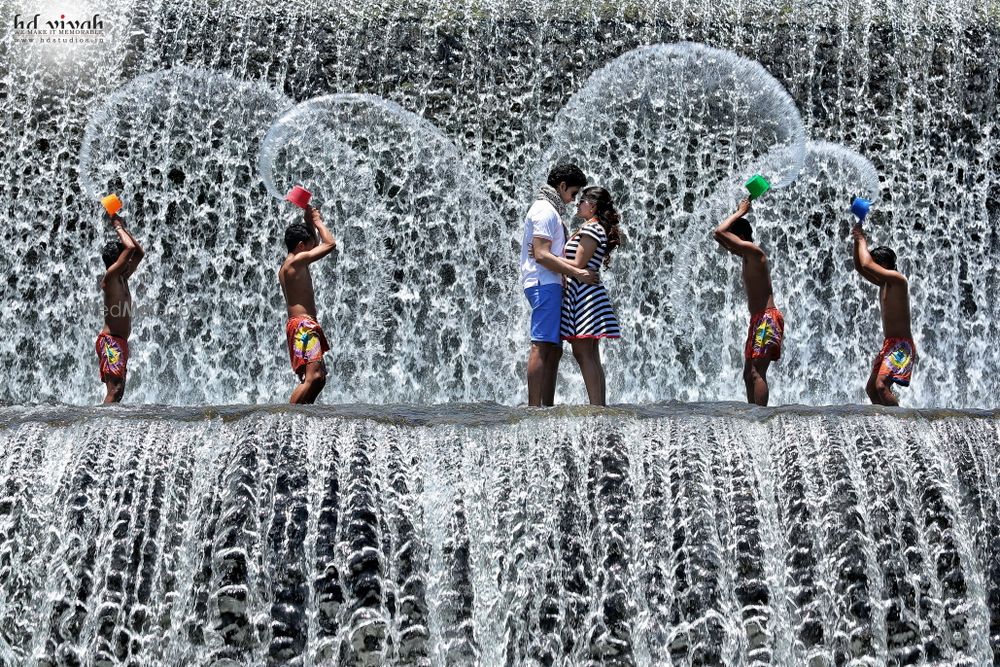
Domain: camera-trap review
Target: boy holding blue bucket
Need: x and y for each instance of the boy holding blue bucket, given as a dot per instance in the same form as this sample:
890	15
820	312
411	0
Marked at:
894	362
542	271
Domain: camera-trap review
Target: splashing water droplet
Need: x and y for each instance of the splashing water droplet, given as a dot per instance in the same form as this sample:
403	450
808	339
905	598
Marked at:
166	123
306	147
678	108
412	277
840	164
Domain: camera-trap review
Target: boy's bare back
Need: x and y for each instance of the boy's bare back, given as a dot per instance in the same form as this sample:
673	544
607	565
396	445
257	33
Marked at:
756	273
894	297
894	288
117	305
114	283
757	280
294	276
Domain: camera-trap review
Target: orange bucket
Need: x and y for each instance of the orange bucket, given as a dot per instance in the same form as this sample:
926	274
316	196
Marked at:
112	204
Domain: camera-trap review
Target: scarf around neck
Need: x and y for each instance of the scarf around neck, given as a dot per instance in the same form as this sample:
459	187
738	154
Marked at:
551	195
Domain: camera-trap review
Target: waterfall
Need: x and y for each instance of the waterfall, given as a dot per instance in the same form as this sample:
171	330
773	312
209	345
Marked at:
422	298
204	525
694	534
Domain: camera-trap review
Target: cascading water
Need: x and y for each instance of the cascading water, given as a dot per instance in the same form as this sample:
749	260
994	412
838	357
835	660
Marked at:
405	294
689	535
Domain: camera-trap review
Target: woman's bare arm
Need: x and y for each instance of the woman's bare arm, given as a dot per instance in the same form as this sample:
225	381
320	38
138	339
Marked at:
586	250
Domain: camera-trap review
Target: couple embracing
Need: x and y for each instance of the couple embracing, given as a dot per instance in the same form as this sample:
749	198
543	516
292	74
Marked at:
560	274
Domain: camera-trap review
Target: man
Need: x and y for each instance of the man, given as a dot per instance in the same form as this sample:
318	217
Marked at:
120	258
542	271
306	341
894	362
767	325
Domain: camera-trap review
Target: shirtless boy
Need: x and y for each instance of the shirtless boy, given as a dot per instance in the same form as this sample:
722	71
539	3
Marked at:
894	362
120	257
767	325
306	342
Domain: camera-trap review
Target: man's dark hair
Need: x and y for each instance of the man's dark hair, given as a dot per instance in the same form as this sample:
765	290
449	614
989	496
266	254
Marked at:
570	174
884	257
111	251
296	234
742	229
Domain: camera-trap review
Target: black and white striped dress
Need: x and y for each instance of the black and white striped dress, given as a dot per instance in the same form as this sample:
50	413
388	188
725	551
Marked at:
586	309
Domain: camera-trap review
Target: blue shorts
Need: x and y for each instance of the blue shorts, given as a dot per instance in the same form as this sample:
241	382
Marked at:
546	312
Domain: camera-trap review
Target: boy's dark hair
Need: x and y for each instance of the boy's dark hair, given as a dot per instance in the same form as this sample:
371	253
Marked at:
884	257
297	233
568	173
742	229
111	251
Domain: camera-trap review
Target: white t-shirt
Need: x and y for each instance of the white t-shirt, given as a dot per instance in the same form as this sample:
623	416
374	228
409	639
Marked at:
542	220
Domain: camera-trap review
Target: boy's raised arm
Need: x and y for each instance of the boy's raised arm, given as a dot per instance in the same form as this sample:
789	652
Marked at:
730	241
121	264
868	267
137	254
326	241
861	253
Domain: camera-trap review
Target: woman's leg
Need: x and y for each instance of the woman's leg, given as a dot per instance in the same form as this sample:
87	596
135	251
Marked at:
588	356
600	368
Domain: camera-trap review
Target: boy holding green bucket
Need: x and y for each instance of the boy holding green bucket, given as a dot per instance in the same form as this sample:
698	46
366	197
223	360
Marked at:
767	325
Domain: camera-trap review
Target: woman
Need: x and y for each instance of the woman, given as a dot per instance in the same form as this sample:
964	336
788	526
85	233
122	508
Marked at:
587	315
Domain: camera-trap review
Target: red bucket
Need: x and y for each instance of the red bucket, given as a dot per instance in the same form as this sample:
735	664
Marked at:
299	196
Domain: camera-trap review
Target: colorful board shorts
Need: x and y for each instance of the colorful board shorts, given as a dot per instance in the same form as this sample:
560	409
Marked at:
112	356
895	360
546	312
306	342
766	333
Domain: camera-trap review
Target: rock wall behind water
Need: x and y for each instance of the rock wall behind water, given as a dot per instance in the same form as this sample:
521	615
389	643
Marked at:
911	86
669	535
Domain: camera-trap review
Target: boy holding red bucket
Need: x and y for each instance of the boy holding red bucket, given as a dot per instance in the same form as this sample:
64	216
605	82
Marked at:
306	341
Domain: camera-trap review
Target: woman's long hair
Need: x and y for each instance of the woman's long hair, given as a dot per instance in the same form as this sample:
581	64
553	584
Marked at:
608	216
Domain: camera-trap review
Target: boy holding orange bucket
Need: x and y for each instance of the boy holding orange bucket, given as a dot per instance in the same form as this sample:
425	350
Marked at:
121	258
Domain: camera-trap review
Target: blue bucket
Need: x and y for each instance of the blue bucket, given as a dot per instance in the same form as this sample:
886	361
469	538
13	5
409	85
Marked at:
861	207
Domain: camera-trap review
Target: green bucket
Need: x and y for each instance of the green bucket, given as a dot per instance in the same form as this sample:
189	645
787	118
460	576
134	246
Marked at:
757	186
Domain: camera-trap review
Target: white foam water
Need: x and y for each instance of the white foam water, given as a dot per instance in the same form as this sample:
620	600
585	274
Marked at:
681	534
416	275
